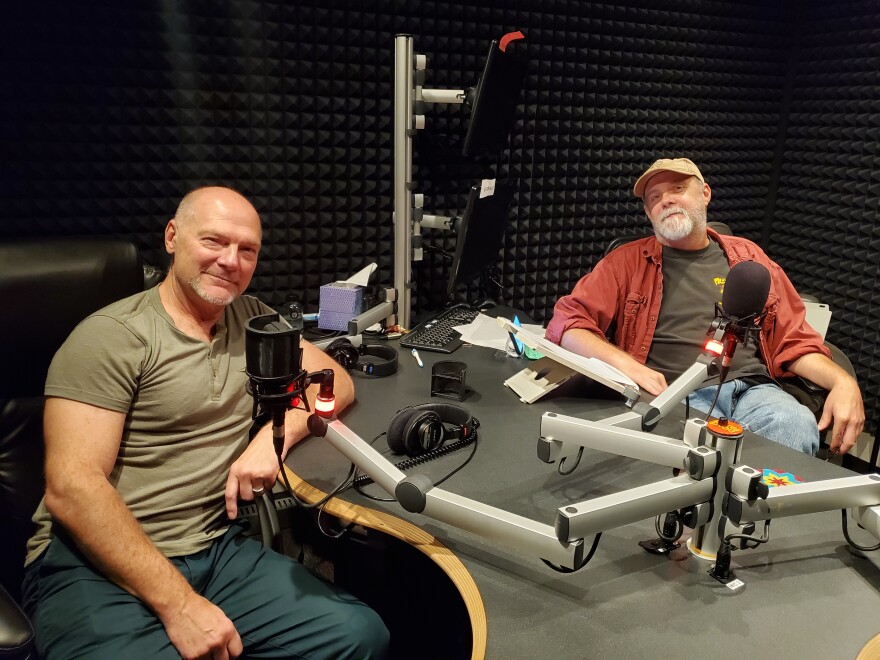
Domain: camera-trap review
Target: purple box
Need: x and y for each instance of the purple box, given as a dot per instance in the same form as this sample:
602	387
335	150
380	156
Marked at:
339	303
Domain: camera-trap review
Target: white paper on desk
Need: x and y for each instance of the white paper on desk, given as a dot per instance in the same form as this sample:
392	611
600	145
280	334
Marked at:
484	331
588	366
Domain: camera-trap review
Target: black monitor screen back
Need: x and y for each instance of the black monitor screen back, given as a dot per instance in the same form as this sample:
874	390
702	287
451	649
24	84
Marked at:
493	108
480	234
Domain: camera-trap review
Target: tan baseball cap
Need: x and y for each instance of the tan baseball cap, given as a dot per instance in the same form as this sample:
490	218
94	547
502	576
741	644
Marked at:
682	165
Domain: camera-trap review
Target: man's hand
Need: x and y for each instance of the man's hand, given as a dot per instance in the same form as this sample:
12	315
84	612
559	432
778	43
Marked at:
200	629
583	342
649	380
844	406
256	468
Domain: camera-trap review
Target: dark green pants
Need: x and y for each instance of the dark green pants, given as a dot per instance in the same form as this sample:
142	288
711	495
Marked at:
278	607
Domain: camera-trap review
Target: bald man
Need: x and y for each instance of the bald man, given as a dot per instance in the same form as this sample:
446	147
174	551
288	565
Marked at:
146	427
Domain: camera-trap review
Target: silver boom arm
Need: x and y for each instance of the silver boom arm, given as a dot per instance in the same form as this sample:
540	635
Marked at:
561	435
416	494
862	491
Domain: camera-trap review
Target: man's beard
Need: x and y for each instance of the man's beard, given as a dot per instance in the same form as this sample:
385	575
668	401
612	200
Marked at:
207	297
678	228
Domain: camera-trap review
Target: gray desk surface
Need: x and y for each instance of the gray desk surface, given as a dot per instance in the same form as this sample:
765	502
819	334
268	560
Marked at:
807	595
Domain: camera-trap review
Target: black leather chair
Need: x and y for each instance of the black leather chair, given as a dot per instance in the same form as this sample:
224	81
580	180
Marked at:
805	391
47	286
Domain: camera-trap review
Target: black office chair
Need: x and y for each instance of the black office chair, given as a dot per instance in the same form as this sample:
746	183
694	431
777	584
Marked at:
806	392
47	286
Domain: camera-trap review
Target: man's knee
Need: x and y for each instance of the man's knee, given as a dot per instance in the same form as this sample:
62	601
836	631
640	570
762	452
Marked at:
364	635
804	430
793	426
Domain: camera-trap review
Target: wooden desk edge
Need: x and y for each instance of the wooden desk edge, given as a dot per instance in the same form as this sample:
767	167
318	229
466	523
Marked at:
417	538
871	650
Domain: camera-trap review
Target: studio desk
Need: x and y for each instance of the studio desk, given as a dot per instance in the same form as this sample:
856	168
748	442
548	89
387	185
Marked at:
806	594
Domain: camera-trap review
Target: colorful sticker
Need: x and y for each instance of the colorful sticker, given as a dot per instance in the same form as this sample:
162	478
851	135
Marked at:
775	478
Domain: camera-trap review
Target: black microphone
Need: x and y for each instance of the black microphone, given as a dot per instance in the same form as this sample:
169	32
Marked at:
273	364
272	352
745	292
742	303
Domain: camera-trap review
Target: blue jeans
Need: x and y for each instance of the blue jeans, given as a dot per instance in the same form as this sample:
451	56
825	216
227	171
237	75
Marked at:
764	409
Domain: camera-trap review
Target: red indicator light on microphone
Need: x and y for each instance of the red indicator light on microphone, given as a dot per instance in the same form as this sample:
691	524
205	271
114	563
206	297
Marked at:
714	346
324	406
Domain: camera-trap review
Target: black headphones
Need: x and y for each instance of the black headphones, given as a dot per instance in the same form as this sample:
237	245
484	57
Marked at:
420	429
348	356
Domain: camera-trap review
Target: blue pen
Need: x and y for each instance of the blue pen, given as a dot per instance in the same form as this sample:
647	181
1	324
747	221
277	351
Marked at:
418	358
516	341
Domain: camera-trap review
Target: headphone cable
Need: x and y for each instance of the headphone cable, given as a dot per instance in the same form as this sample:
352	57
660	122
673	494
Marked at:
362	480
415	461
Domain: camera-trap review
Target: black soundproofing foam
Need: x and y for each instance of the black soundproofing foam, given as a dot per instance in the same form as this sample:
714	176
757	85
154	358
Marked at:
112	111
824	230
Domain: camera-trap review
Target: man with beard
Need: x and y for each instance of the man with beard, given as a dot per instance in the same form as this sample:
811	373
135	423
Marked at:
655	298
146	422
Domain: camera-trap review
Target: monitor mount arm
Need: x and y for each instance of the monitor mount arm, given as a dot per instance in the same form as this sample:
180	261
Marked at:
742	501
748	500
696	492
442	222
454	96
628	435
410	105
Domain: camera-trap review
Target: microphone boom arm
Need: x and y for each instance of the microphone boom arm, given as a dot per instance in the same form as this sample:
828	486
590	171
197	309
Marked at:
417	494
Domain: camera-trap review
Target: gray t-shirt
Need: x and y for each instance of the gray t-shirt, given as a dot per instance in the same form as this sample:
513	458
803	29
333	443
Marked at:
693	281
187	413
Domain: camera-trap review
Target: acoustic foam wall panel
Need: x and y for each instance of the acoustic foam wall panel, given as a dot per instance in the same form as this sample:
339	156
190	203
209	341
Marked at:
119	111
112	112
825	231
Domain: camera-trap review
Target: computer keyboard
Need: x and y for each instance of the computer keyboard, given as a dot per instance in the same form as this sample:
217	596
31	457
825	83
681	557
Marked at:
436	334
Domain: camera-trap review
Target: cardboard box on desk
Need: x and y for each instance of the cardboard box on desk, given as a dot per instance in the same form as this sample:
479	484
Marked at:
338	304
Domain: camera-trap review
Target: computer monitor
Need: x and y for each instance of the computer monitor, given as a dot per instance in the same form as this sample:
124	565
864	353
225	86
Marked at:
493	102
480	234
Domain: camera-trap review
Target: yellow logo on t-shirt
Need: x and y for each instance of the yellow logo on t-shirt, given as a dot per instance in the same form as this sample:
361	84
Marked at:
719	282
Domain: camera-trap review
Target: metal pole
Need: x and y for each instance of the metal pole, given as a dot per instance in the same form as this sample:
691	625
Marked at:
403	118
